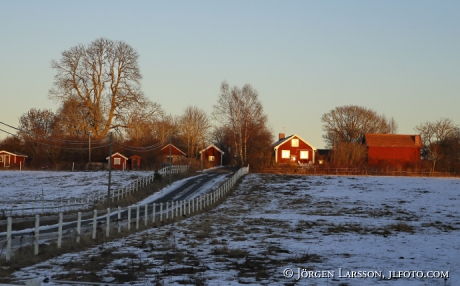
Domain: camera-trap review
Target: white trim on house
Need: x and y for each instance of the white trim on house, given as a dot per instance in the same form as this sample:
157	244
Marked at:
284	140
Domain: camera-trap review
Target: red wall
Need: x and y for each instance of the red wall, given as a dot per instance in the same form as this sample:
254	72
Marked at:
14	161
295	151
393	154
212	152
122	162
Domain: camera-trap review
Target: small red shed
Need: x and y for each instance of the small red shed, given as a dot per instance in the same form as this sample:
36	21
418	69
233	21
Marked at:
135	162
392	148
11	160
172	154
293	149
118	161
212	155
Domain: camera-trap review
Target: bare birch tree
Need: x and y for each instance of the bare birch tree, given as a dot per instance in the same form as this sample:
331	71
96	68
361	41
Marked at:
104	77
241	112
433	134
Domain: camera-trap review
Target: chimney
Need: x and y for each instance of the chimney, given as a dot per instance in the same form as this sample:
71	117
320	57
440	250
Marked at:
282	135
417	140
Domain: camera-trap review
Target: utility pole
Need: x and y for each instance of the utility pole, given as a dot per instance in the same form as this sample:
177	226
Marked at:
110	171
202	147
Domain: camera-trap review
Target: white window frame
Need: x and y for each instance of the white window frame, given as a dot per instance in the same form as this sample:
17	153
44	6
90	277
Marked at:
296	144
302	155
116	161
285	154
1	158
211	158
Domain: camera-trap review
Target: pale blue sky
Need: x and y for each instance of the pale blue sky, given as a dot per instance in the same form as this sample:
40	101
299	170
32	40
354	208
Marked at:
400	58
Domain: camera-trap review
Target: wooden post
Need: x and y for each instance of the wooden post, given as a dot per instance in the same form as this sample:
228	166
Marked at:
94	224
60	231
161	211
119	219
153	213
129	217
189	207
78	227
167	211
107	230
137	216
145	214
37	230
8	238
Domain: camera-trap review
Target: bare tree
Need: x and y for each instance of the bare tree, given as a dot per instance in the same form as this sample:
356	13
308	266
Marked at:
167	125
433	134
103	77
241	112
139	123
349	124
72	119
193	127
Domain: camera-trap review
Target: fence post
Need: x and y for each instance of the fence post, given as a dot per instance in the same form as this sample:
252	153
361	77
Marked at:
79	227
193	205
153	213
146	212
107	230
189	207
167	212
8	238
37	230
137	216
60	231
129	217
119	219
180	208
94	224
161	212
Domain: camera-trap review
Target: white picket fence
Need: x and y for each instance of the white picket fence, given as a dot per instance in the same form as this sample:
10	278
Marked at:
37	206
159	213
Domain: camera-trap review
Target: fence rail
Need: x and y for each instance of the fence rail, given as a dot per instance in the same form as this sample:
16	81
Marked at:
112	219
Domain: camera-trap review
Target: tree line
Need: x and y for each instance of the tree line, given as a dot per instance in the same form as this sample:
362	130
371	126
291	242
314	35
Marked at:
98	88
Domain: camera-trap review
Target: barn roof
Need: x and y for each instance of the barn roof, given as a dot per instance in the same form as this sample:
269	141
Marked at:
281	141
392	140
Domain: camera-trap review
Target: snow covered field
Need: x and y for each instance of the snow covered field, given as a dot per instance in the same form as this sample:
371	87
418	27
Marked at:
322	230
41	186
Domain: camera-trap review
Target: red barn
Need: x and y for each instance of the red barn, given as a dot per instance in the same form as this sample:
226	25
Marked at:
11	160
212	155
172	154
293	149
118	161
392	148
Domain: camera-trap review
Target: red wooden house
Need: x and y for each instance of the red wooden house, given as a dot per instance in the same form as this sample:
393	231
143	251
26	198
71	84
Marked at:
11	160
392	148
172	154
212	156
293	149
118	161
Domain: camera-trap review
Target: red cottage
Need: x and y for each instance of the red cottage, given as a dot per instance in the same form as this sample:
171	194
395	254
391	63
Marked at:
212	155
392	148
118	161
12	160
293	149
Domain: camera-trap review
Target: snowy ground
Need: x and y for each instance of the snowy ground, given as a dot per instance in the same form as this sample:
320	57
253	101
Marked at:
35	187
333	227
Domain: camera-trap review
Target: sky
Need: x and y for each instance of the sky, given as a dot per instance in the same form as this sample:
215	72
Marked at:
304	58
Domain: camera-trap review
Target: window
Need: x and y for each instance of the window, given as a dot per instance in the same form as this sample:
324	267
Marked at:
293	158
285	154
295	143
303	154
116	161
211	158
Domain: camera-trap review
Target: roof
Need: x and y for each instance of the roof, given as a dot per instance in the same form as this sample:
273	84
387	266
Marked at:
175	148
212	146
135	156
14	154
285	139
117	154
392	140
